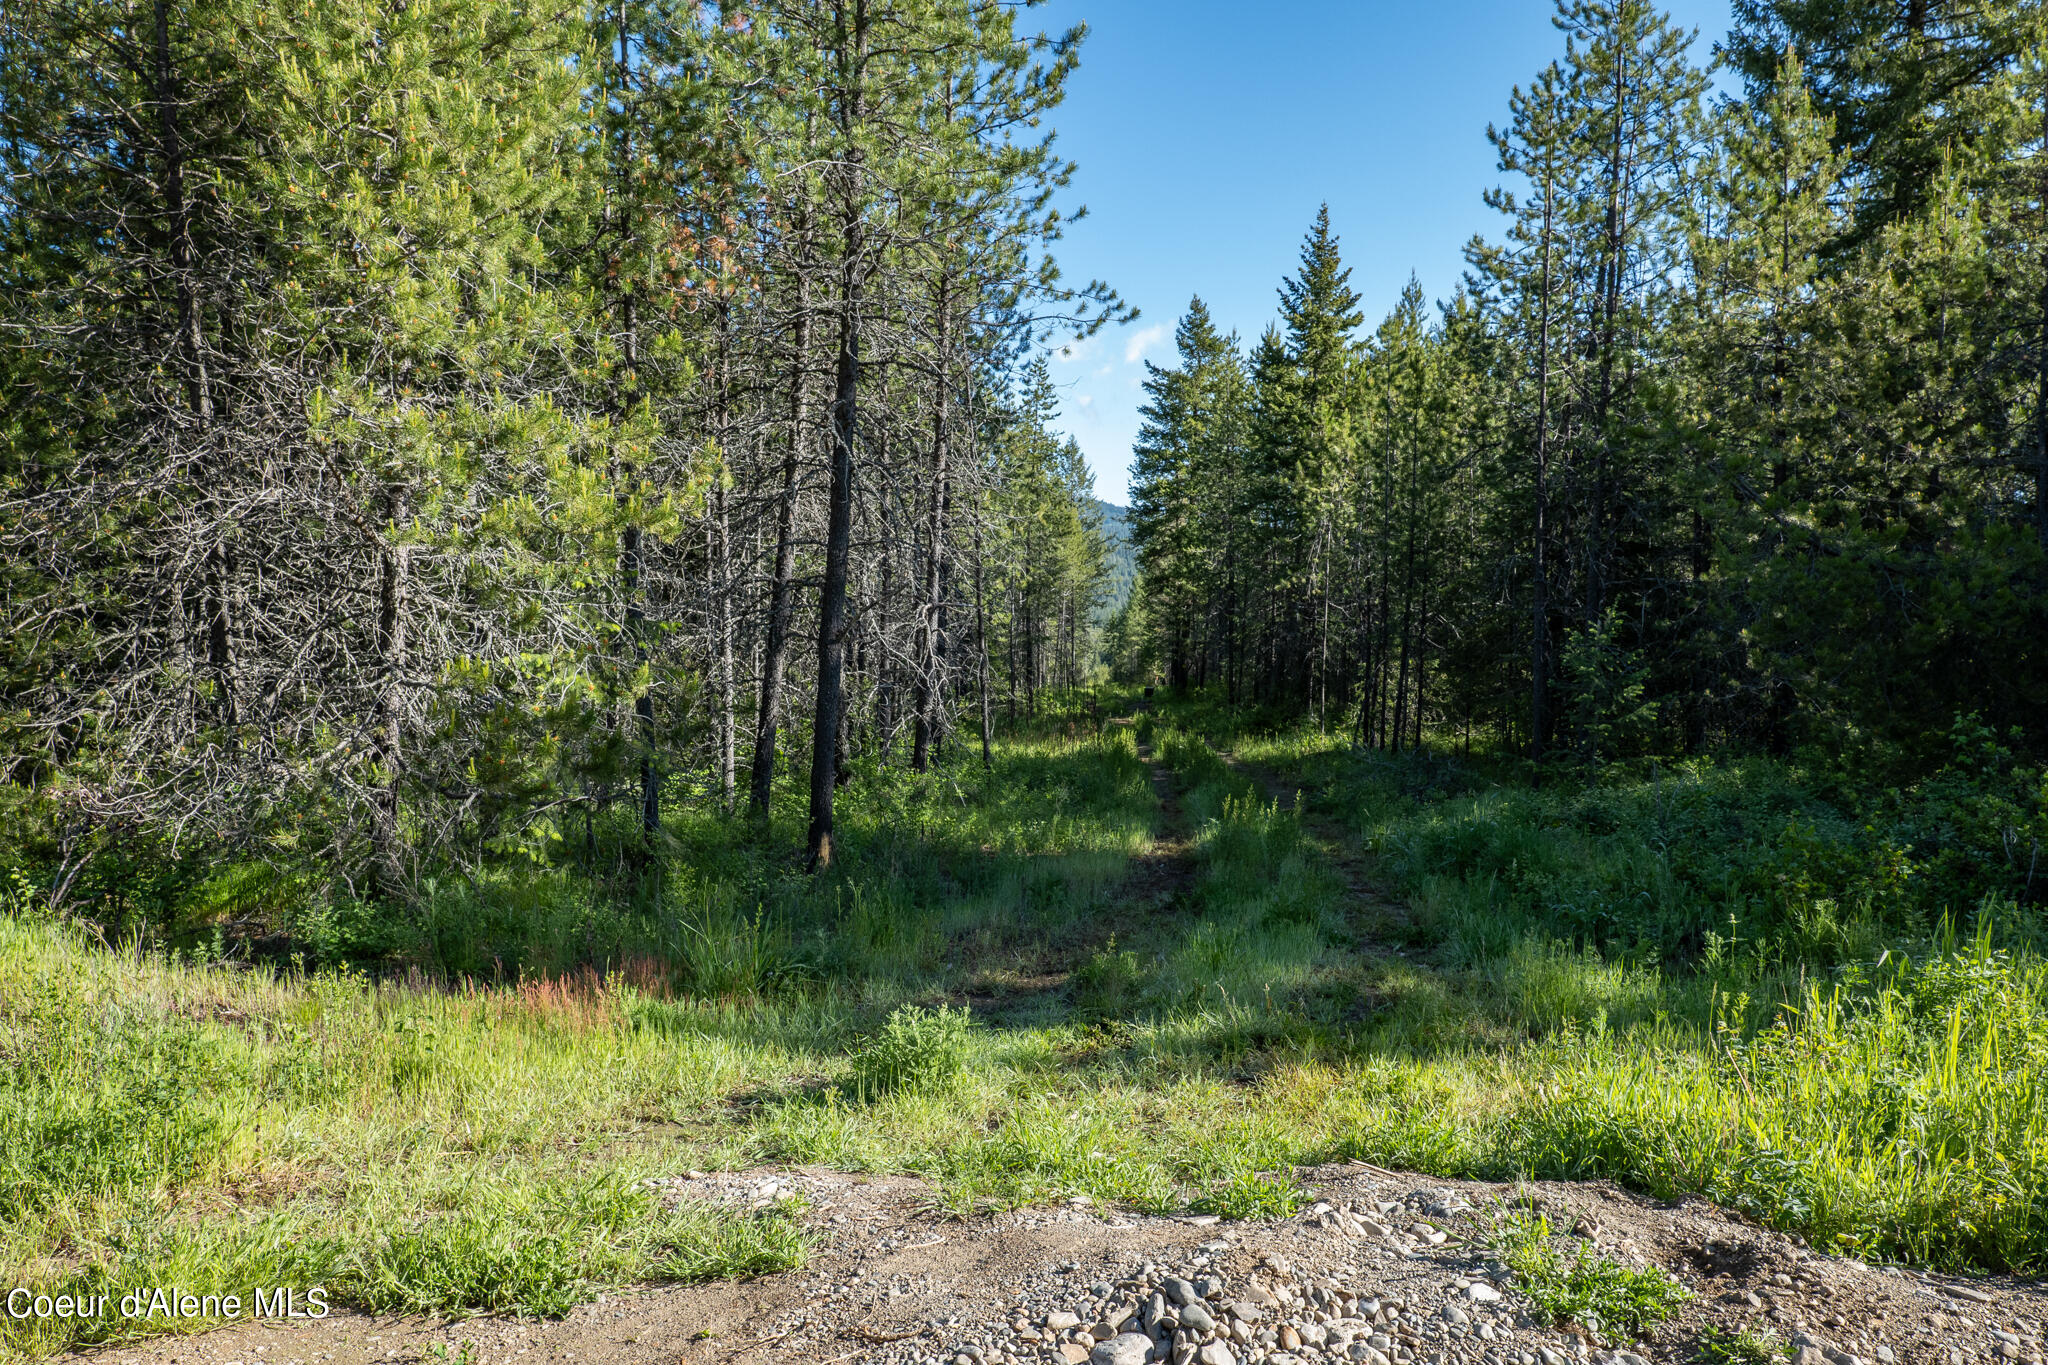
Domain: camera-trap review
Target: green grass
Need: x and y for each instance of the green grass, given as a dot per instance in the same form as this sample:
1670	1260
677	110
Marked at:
1543	992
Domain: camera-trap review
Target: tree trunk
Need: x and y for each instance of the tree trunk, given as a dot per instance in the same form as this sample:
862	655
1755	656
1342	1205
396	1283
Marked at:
1539	626
775	650
719	561
981	641
929	623
387	733
830	710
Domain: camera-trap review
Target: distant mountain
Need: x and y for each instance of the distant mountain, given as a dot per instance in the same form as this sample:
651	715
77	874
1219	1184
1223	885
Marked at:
1123	557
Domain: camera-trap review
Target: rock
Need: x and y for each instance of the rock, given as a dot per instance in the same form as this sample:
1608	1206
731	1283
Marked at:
1216	1353
1208	1286
1179	1290
1455	1315
1245	1312
1481	1292
1886	1354
1130	1348
1289	1337
1073	1353
1963	1291
1372	1227
1196	1318
1062	1321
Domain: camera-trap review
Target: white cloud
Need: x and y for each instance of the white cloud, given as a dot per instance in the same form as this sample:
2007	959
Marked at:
1141	342
1074	352
1085	400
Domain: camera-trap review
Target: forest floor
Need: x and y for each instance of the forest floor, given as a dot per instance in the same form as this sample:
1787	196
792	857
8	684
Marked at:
1238	1087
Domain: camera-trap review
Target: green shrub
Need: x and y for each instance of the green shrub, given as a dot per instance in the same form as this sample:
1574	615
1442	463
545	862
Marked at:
918	1051
1109	983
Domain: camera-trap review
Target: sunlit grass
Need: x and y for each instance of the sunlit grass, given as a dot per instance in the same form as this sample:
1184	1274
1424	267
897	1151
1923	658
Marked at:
431	1143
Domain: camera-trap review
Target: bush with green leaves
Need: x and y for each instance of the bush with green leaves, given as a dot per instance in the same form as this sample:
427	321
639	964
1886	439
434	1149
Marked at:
918	1051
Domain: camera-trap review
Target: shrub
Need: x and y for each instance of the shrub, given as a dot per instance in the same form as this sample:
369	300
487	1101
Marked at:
918	1051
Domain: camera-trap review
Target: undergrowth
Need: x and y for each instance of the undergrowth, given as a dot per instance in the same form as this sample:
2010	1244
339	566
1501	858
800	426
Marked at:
1428	966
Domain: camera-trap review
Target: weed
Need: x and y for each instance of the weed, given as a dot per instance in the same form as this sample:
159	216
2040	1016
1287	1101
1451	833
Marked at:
1250	1194
918	1051
1582	1286
1744	1347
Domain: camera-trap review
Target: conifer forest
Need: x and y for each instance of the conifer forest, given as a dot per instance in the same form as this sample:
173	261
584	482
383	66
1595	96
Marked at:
577	743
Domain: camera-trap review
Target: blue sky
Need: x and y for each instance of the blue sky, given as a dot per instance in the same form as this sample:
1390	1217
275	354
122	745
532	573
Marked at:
1207	133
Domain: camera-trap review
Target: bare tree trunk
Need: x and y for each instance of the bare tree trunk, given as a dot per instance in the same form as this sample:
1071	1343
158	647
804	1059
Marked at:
1539	629
775	651
830	712
2041	355
720	562
981	641
387	734
929	624
218	572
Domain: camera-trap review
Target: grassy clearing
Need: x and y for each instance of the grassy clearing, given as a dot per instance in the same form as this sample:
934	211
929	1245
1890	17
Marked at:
1551	1001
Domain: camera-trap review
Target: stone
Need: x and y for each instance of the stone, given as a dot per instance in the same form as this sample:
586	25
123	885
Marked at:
1481	1292
1245	1312
1179	1290
1062	1321
1073	1353
1196	1318
1130	1348
1208	1286
1216	1353
1455	1315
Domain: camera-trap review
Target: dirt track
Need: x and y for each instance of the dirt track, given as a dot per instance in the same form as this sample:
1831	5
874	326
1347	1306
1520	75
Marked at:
894	1280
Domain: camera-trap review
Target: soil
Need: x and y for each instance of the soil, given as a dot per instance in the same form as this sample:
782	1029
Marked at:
894	1280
